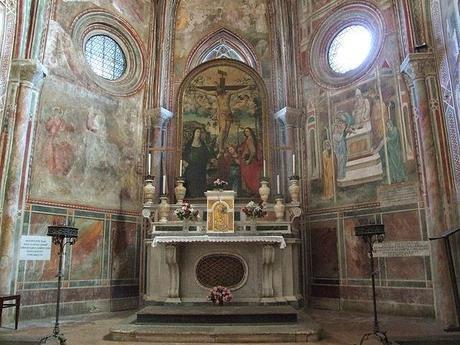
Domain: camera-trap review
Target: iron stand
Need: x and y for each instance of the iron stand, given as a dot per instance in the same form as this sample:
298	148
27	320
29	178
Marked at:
62	235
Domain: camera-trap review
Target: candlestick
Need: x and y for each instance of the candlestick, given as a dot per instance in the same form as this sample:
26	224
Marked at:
164	184
278	184
149	167
180	168
293	164
265	169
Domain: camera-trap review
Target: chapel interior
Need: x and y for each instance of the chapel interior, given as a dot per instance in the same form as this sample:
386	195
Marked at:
274	149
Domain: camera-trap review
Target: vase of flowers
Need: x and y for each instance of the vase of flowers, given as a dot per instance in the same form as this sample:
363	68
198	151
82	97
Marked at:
186	212
220	295
220	184
253	210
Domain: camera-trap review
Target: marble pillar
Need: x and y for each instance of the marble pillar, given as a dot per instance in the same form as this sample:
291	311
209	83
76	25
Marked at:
418	68
24	88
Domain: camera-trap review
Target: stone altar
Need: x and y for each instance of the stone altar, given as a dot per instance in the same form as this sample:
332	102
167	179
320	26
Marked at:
260	259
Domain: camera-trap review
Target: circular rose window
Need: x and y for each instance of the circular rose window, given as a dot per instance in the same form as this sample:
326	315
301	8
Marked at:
346	45
350	48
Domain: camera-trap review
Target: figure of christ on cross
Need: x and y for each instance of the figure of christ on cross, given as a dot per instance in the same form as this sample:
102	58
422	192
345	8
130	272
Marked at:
223	94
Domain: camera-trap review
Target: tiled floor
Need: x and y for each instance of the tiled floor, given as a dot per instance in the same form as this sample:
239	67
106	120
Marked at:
340	328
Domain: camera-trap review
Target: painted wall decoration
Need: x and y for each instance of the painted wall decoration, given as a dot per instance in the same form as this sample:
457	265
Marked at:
365	141
43	270
87	252
359	138
247	18
222	130
87	151
446	30
136	12
124	254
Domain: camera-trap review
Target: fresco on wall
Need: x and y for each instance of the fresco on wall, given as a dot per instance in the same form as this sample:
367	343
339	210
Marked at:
451	29
43	270
245	17
87	251
222	131
124	257
133	10
87	151
359	138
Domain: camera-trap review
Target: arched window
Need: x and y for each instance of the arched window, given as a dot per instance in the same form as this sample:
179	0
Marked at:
223	51
223	44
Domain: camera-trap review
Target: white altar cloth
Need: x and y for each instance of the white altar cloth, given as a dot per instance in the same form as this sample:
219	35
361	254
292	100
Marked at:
220	239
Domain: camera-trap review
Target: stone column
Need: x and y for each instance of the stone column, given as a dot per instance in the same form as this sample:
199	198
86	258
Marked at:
158	118
268	259
290	117
418	68
174	273
23	94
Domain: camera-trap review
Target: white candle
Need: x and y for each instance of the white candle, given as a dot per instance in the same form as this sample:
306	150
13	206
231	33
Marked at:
180	168
265	169
278	184
149	166
164	184
293	165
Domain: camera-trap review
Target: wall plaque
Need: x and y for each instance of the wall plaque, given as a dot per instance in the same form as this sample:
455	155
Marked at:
401	249
35	248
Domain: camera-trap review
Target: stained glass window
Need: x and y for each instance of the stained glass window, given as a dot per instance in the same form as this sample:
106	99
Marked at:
223	51
105	57
350	48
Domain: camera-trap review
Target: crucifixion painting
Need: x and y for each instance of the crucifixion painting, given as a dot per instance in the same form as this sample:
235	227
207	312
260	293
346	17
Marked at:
223	94
222	131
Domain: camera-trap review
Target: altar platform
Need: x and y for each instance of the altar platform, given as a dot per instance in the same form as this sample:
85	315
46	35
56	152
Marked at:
218	324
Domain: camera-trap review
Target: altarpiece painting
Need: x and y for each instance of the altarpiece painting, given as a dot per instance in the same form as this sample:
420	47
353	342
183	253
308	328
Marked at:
221	107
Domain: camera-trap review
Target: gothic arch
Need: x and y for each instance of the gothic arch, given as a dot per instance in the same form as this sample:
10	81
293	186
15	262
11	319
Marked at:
223	35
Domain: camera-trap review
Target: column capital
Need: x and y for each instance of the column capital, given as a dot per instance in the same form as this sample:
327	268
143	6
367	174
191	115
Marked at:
289	116
418	65
157	116
28	71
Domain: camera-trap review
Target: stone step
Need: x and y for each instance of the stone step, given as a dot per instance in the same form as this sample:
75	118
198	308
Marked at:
217	314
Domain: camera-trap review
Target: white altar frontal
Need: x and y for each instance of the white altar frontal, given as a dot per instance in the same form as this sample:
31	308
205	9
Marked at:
258	260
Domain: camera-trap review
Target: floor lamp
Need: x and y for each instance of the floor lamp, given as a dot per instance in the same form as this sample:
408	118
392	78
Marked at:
373	233
62	235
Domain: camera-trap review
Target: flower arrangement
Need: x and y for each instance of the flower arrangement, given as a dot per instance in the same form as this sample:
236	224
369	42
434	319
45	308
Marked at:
219	183
219	295
186	211
253	210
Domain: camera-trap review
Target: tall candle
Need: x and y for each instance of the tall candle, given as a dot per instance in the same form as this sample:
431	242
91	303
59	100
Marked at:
293	164
149	166
265	169
164	184
180	168
278	184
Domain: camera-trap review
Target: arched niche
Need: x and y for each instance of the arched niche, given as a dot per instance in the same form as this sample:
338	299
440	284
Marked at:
223	98
222	36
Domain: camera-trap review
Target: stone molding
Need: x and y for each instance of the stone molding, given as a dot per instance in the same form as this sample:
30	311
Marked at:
28	71
419	66
289	116
156	117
